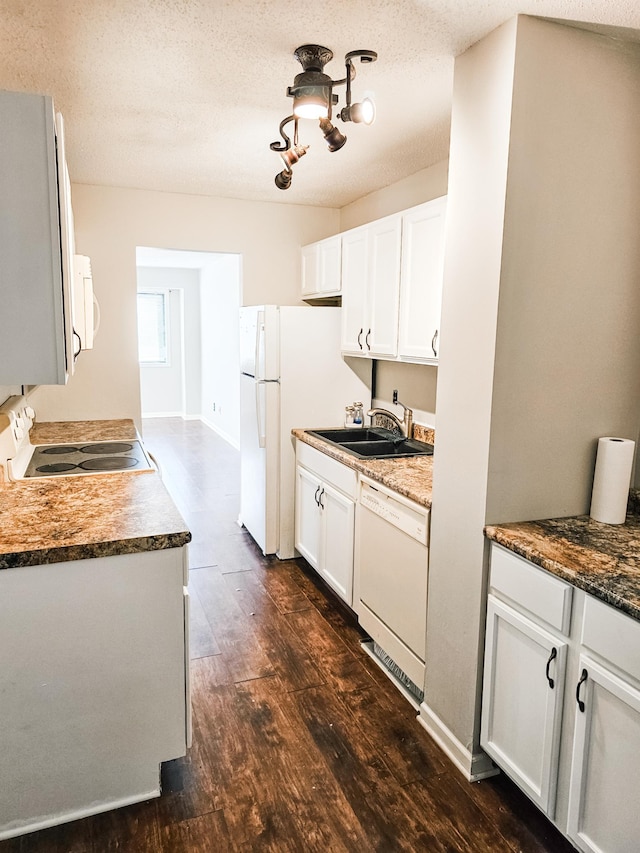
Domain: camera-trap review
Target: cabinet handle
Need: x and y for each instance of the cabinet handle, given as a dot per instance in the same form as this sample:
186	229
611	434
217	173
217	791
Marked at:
552	656
433	343
77	352
316	495
366	340
359	336
320	504
583	678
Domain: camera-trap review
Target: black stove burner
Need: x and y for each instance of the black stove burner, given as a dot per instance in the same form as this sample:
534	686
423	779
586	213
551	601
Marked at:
107	447
63	448
56	468
109	463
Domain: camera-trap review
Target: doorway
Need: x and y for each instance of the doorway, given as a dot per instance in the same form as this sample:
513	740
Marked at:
188	305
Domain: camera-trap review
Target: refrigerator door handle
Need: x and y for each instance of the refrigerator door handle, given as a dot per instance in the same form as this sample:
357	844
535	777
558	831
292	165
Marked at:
261	415
260	347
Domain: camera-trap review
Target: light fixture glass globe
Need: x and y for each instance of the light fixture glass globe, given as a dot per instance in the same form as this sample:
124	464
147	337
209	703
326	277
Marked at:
364	112
310	106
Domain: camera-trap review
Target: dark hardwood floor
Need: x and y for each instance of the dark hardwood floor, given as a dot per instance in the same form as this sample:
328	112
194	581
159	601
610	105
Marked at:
300	742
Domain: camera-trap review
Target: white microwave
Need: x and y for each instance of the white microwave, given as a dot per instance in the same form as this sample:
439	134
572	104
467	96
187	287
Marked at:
86	311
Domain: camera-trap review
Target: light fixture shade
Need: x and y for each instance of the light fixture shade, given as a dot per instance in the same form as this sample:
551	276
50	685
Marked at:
364	112
283	179
335	140
292	155
311	102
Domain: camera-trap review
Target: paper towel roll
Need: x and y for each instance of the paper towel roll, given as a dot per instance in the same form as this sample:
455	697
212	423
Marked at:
614	460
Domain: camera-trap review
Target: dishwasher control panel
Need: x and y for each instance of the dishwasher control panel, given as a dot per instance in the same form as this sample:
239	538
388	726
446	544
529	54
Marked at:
405	516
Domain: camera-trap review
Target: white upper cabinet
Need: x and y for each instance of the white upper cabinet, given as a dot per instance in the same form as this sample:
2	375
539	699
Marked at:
370	285
355	272
384	285
36	244
421	281
321	268
392	285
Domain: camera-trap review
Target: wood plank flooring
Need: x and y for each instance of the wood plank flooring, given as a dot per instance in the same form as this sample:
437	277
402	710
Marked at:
300	742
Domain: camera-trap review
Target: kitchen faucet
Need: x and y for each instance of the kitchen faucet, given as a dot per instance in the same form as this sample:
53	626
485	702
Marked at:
405	425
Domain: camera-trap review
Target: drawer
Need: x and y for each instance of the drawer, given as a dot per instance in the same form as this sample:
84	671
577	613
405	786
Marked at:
330	470
612	635
531	588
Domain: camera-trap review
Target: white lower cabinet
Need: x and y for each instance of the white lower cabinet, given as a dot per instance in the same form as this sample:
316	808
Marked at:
325	517
94	680
577	759
522	705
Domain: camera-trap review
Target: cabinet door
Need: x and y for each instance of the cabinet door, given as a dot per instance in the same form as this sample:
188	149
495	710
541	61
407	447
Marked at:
355	323
381	338
421	281
522	701
336	563
329	261
603	811
309	259
307	516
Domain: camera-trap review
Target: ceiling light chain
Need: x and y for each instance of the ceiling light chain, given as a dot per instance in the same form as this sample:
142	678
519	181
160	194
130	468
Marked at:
313	97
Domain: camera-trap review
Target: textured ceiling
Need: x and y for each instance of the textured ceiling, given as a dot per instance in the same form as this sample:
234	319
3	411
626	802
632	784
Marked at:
186	95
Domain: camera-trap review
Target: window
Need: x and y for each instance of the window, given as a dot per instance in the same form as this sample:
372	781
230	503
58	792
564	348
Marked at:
153	330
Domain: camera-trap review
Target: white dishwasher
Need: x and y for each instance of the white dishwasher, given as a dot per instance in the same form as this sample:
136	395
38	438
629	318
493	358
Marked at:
391	575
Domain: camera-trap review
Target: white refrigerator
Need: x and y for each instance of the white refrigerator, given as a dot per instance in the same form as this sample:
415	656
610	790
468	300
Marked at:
292	375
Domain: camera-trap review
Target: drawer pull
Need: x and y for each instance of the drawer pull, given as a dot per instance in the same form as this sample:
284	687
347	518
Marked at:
359	336
320	504
583	678
552	656
316	495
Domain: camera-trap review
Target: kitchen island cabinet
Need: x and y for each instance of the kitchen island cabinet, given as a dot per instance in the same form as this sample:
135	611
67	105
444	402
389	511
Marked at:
94	684
94	668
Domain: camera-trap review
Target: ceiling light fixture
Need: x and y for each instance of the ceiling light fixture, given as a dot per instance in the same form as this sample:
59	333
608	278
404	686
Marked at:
313	98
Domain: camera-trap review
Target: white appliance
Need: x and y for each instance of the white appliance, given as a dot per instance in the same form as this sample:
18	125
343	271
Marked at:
86	311
391	568
22	460
292	375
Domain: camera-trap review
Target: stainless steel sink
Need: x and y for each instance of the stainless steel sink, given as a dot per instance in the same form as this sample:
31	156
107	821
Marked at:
374	443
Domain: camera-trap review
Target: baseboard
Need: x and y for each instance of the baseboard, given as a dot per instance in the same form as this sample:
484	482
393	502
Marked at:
473	766
221	433
76	814
161	414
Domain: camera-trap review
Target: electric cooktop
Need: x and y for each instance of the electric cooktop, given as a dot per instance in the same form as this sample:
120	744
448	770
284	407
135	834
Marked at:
87	458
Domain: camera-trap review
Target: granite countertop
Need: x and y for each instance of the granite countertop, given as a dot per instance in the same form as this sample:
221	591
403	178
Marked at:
51	520
601	559
411	476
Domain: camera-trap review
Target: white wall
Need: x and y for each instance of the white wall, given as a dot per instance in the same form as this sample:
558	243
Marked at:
422	186
111	222
541	312
220	286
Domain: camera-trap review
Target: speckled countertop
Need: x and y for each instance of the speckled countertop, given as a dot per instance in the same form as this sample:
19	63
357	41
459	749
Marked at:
52	520
411	477
601	559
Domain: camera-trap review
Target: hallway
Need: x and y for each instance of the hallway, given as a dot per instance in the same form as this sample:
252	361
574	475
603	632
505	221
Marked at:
300	743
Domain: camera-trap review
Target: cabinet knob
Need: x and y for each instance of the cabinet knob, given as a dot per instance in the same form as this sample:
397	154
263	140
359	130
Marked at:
583	678
552	656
